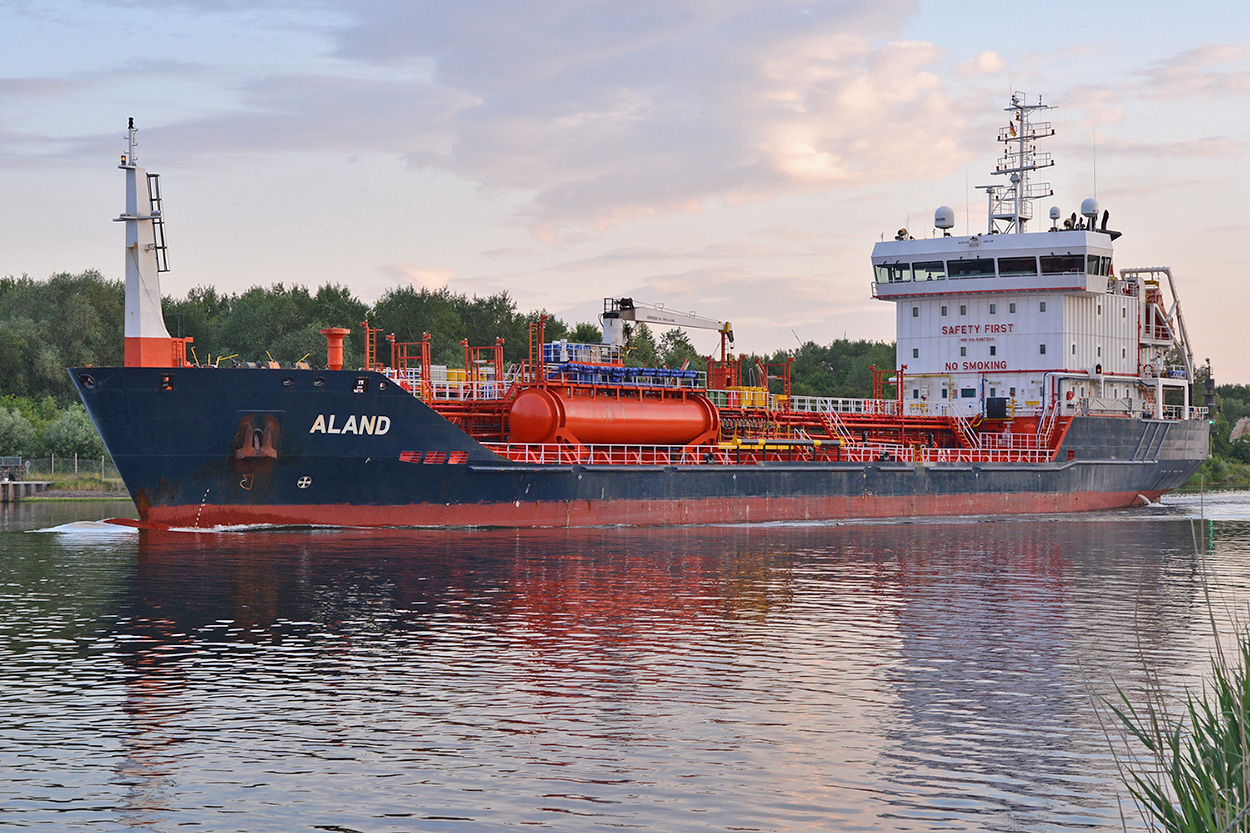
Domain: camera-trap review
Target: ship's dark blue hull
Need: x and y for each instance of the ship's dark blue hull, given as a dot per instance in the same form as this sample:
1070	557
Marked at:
204	447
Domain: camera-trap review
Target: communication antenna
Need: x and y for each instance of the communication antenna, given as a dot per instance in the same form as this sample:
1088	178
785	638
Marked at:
967	203
1012	204
1094	142
132	142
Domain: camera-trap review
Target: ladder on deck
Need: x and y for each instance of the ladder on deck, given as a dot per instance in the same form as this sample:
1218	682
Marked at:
836	427
1046	427
964	429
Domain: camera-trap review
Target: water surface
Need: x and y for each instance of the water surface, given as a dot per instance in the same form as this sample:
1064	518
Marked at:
887	676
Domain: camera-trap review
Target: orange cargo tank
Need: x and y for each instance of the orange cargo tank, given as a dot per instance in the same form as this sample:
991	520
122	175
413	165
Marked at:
544	415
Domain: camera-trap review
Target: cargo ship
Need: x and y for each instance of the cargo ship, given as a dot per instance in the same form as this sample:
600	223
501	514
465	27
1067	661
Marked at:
1032	376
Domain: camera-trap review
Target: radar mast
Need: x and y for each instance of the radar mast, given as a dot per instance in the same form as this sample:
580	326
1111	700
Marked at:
1011	205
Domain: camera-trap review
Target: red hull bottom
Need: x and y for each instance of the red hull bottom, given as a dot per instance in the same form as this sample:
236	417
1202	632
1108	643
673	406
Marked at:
639	512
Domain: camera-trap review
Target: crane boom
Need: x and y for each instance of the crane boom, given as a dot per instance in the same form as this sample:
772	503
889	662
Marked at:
616	311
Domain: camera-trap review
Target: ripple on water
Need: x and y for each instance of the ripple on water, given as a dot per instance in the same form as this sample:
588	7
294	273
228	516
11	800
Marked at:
865	676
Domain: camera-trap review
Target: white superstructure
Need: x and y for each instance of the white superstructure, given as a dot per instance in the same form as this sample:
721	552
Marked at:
1031	322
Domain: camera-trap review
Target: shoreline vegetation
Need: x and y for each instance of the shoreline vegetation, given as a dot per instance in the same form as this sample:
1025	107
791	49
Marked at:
73	320
1184	757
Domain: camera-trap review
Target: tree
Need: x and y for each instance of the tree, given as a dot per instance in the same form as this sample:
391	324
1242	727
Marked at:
64	321
200	315
15	362
642	350
842	369
17	436
585	333
259	317
491	317
409	312
73	434
675	350
308	343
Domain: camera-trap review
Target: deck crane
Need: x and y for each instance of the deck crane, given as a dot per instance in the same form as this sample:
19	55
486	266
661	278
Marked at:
618	311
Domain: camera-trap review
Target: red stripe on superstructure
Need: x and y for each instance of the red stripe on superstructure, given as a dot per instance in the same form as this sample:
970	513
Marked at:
962	291
640	512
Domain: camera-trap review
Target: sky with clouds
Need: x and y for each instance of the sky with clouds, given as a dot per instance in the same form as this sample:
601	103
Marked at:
736	158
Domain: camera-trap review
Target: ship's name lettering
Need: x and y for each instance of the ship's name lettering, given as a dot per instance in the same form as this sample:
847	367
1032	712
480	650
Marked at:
975	329
334	424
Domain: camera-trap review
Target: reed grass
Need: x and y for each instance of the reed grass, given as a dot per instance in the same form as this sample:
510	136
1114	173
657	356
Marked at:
1197	779
1196	776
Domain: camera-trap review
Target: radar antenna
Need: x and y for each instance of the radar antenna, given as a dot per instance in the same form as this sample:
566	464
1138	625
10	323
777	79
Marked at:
1012	205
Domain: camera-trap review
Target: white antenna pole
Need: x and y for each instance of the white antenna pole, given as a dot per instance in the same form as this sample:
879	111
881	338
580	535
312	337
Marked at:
132	142
1094	141
967	204
147	342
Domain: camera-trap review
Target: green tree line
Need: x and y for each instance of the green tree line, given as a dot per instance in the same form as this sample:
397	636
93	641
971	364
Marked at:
74	320
1230	459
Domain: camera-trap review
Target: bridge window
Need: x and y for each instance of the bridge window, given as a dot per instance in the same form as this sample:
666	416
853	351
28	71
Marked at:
915	312
1011	308
929	271
1052	264
993	309
943	310
893	272
980	267
967	393
1041	307
1017	266
1097	265
963	309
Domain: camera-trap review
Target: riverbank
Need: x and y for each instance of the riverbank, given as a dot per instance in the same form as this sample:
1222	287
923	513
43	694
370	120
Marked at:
1220	473
79	494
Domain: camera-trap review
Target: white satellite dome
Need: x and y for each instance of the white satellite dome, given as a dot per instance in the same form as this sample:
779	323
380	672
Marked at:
1089	208
944	217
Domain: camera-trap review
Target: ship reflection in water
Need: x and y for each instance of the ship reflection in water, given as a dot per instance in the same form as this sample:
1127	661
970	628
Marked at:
886	677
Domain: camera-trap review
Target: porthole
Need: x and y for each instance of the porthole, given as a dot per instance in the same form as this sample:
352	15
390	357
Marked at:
287	381
87	381
319	382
